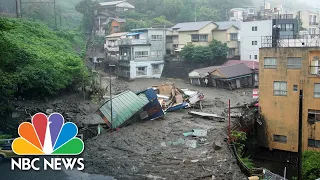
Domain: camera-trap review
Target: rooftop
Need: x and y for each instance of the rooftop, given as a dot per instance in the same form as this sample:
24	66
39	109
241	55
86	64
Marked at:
117	34
123	4
227	24
191	26
228	71
253	65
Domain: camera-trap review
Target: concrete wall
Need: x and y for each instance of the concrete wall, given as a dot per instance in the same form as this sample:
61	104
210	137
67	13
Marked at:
179	69
247	36
282	112
148	64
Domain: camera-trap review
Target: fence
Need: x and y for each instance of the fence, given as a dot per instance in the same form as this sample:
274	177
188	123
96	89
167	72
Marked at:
271	176
291	41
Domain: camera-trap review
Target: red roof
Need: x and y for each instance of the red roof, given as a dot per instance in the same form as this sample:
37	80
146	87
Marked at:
253	65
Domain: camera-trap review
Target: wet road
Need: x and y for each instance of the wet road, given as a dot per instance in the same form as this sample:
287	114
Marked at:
7	174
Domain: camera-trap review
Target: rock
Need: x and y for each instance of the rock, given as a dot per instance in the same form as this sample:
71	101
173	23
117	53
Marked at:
195	160
163	144
217	145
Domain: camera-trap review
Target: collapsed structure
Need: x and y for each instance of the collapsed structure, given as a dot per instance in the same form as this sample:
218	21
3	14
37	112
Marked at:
150	104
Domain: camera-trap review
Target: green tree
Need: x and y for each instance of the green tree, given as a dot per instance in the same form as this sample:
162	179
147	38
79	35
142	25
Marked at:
161	21
134	24
187	52
87	8
219	52
202	54
311	165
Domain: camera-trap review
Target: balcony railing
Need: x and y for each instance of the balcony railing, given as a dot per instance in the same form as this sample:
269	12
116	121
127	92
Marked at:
127	41
315	70
313	23
291	41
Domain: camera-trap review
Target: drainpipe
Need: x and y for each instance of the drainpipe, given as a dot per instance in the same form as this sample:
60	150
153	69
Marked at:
300	137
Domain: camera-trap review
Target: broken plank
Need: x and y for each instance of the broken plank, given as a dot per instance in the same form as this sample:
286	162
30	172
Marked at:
205	115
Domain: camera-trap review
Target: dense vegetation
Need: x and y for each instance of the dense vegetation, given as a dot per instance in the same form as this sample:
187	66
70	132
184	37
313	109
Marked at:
311	165
36	61
214	54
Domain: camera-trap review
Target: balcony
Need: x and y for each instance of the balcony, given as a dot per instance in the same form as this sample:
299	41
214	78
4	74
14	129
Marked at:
315	70
313	23
127	42
113	48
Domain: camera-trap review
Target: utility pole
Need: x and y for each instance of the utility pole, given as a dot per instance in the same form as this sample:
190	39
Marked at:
264	10
300	137
18	8
195	13
55	15
60	18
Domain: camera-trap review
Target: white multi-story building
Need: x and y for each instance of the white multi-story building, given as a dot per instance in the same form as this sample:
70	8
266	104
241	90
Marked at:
142	53
250	38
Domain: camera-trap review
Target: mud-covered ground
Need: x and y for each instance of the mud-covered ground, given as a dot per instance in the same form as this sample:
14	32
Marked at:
152	149
158	150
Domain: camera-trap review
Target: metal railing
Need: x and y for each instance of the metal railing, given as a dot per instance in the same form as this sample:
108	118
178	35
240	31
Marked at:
271	176
315	70
313	23
127	41
291	41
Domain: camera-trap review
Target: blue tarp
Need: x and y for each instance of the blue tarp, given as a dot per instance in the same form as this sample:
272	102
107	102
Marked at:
153	108
132	34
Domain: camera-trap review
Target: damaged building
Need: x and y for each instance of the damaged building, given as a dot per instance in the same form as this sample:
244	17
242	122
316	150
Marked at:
231	77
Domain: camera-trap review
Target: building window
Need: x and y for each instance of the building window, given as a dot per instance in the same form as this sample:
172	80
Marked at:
203	38
156	37
195	38
156	53
254	42
116	29
315	66
233	36
294	63
250	56
255	56
199	38
156	69
312	31
254	28
141	54
295	88
279	138
279	88
232	51
141	71
313	116
316	90
313	143
270	63
286	27
169	39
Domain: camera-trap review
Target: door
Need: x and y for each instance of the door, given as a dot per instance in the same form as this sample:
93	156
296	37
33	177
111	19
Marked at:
238	83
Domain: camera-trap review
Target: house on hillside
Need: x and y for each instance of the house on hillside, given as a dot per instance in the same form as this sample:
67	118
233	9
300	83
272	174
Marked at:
228	77
228	32
196	33
142	53
202	33
107	12
116	24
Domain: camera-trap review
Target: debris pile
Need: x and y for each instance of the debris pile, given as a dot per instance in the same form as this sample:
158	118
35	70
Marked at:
150	104
246	115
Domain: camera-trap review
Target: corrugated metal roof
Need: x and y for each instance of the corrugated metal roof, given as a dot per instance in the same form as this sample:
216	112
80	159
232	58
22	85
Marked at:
124	106
191	26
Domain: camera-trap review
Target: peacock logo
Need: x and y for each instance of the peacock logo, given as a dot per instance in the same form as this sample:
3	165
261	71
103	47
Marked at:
47	135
